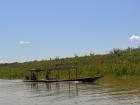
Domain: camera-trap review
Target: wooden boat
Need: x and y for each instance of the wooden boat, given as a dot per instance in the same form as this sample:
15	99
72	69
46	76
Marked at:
89	79
34	75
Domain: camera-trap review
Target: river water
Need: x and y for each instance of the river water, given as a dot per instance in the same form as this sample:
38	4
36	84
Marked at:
104	92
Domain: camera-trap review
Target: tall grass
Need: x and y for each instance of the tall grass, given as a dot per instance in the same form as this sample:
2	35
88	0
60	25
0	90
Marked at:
117	62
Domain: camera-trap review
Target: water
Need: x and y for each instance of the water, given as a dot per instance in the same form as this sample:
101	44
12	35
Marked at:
104	92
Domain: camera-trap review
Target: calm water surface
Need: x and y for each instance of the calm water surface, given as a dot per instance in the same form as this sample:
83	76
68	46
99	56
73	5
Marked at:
104	92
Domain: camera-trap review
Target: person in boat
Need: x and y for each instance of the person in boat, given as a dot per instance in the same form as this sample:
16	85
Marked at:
27	77
47	75
33	76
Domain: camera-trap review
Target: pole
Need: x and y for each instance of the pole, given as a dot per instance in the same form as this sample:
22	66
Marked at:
76	72
69	73
36	75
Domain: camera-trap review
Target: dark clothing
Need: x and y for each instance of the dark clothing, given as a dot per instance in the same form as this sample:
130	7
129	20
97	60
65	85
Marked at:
47	75
33	77
27	77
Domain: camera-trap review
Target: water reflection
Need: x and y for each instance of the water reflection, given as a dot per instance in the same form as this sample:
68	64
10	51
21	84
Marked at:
69	89
113	90
122	89
110	91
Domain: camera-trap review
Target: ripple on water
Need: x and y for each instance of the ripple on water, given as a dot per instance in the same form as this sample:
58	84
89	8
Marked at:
19	93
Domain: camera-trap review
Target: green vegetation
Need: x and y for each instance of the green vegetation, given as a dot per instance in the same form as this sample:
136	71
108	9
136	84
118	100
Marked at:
118	62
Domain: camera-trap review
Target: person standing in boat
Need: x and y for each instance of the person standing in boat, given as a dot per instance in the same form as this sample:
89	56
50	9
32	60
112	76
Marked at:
27	77
33	76
47	75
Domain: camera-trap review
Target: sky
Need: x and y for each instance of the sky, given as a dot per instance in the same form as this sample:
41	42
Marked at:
43	29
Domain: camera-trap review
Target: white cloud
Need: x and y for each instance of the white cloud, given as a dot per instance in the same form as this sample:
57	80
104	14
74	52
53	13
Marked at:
24	42
134	38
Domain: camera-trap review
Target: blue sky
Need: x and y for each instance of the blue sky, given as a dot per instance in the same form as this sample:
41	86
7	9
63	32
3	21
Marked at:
40	29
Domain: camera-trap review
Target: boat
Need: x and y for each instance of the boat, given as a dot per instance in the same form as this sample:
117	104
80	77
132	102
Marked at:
88	79
34	75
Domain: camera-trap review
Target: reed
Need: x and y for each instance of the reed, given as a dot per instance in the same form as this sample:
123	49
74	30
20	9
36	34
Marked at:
118	62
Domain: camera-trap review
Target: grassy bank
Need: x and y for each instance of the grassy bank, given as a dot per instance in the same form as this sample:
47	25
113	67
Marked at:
117	62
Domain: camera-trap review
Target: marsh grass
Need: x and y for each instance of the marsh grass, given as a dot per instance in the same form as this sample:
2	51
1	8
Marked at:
117	62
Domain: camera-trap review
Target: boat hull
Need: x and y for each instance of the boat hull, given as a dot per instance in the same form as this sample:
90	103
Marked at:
90	79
